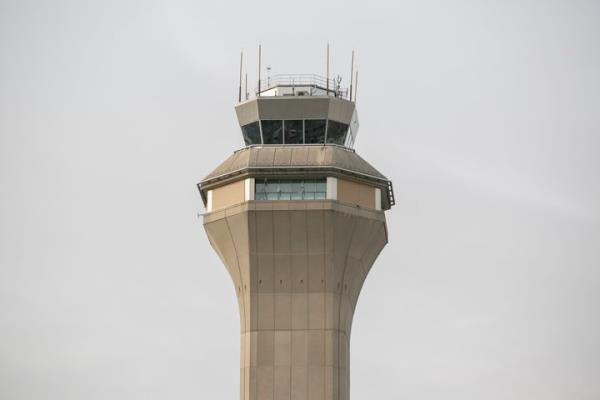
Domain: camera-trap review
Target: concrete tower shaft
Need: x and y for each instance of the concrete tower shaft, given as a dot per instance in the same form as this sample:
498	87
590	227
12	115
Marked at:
298	269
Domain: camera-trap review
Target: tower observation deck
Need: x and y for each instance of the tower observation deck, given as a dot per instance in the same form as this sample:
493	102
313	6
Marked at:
298	219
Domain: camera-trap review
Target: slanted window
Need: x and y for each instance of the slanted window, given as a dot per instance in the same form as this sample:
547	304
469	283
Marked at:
290	189
294	131
272	131
314	131
336	132
251	133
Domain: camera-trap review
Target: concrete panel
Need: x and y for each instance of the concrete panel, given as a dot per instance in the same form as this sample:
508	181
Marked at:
227	195
316	382
356	193
265	348
265	383
283	348
316	310
283	380
283	311
266	311
299	348
299	311
299	382
283	273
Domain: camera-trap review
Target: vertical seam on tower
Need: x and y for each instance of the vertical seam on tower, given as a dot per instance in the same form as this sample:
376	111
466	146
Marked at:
340	311
241	279
306	328
324	306
289	214
273	290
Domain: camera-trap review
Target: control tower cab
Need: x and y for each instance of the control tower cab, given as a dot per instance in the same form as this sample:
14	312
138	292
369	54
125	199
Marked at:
299	109
298	219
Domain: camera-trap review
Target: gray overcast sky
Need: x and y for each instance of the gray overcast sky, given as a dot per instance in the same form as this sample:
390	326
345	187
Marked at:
485	114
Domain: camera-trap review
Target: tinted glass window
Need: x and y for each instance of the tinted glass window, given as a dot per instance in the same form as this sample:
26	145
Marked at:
336	132
251	133
272	131
293	132
291	189
314	131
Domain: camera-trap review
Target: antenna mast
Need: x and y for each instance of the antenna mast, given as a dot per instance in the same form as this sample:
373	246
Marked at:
355	85
327	68
240	88
351	74
259	61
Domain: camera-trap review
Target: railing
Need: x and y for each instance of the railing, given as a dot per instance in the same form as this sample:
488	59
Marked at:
305	80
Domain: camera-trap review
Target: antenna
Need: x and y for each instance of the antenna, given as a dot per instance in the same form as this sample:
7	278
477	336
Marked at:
351	74
327	68
246	86
259	61
355	85
240	88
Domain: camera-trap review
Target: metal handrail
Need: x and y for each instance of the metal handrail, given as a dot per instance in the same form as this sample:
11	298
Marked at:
311	80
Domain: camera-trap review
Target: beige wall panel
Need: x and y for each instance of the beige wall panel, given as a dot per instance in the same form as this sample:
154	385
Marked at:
264	232
281	231
283	311
316	310
265	383
265	348
266	272
299	348
283	272
283	348
266	311
315	227
316	382
299	382
299	311
356	193
298	234
331	383
331	348
228	195
299	273
283	378
316	272
332	309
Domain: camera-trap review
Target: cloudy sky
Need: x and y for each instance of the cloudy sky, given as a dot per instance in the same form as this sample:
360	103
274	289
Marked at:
485	114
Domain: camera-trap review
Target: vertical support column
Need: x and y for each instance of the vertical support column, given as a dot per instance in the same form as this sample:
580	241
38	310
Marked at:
249	189
378	199
209	201
331	188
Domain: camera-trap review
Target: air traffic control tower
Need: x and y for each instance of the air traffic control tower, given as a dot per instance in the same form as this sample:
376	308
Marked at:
298	218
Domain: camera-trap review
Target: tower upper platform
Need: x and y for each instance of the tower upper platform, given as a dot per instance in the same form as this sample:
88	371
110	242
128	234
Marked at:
297	110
